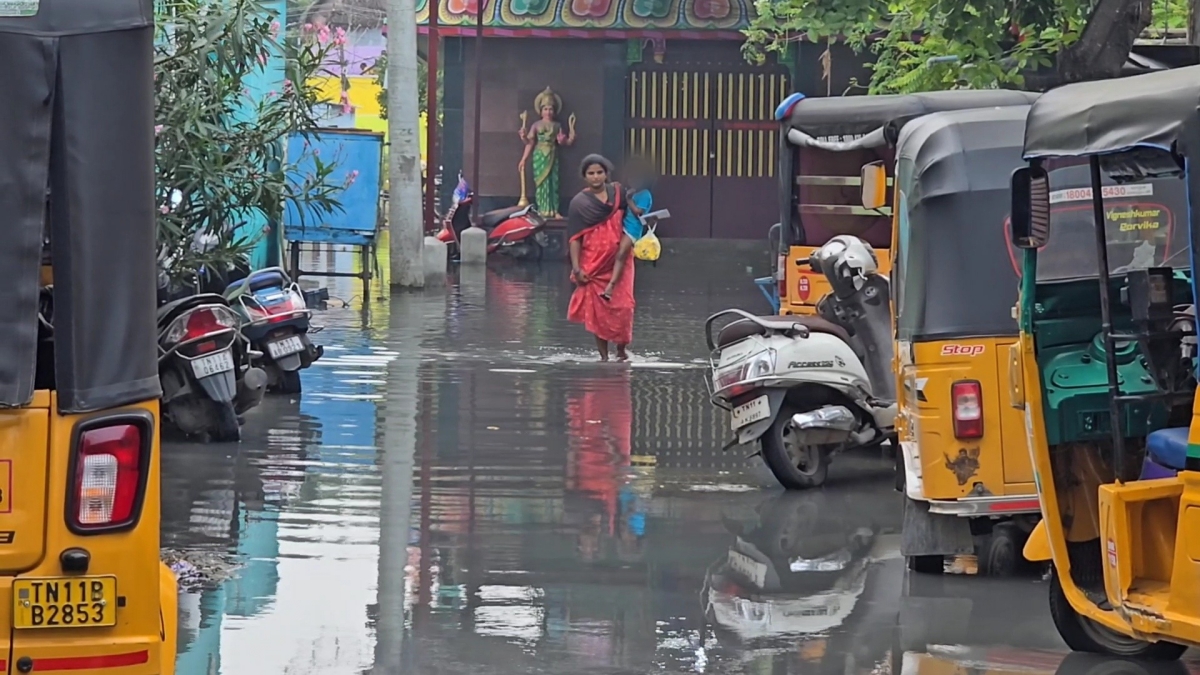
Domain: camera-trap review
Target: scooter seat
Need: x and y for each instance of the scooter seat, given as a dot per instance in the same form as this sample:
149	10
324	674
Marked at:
491	219
740	330
1168	447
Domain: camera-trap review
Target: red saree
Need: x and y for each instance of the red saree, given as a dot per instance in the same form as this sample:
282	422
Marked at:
610	320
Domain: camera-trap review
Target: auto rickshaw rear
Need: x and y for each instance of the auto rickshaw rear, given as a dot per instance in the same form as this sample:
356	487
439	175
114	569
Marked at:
823	145
1105	369
81	585
963	463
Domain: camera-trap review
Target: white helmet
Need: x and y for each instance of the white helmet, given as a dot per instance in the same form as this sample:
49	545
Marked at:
846	256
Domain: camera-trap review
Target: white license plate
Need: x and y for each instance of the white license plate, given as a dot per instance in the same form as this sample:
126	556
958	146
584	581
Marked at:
285	347
748	567
213	364
748	413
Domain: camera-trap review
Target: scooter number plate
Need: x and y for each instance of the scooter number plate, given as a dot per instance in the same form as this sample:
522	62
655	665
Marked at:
285	347
749	413
213	364
748	567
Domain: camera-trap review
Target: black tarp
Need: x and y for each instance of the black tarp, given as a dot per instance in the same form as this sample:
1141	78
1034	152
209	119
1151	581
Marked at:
1109	116
77	117
956	277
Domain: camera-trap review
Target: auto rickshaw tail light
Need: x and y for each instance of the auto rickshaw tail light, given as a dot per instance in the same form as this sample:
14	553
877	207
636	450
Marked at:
967	398
108	477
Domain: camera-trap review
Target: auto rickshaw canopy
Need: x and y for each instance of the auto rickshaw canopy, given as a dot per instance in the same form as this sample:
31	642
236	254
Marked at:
954	277
853	122
77	174
1103	117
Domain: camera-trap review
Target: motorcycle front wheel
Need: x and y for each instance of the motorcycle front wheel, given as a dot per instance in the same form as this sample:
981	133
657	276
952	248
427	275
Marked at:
796	466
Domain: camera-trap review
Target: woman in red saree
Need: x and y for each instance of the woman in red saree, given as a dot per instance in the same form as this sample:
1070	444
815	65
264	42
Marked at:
601	260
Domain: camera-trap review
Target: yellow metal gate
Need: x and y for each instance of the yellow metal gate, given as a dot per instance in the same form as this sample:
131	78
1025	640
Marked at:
715	141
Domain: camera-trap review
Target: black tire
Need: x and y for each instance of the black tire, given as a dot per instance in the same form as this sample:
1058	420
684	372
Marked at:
1000	554
225	426
927	564
288	382
775	454
1084	635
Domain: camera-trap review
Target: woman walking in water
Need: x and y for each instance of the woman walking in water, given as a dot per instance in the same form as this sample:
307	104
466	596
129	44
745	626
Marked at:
601	259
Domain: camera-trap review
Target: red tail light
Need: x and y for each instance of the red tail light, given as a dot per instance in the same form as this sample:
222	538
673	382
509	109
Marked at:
203	322
109	476
967	399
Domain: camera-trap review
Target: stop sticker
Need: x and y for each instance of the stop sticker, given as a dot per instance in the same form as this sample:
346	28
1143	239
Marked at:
803	288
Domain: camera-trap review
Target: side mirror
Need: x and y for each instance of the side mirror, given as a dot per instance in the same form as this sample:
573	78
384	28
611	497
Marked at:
874	185
1029	224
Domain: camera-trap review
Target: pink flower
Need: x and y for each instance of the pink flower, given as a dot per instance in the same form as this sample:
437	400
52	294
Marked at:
308	28
347	108
316	152
272	93
340	36
274	28
158	129
323	34
287	85
164	209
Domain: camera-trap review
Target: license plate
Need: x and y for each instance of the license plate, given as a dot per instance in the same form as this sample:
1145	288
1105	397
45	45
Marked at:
748	567
213	364
75	602
748	413
285	347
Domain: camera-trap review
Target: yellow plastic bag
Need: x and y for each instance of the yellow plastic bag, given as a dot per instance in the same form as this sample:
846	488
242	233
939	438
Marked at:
647	247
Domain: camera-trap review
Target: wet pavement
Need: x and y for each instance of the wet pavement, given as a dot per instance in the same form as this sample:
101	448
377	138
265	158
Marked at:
460	489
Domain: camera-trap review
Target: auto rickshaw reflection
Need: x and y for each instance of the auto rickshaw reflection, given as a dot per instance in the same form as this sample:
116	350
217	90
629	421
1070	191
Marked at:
1108	379
80	571
824	142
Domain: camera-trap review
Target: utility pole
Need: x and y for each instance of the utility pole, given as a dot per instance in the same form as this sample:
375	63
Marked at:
404	154
431	117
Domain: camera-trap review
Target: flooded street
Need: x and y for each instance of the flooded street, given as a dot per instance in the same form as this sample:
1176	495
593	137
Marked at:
460	489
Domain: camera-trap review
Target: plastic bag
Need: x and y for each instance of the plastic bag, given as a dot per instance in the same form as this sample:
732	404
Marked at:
647	247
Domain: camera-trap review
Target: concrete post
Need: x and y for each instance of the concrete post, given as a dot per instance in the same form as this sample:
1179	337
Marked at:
404	154
434	258
473	246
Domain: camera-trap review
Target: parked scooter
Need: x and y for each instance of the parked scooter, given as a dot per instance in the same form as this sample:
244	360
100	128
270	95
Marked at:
204	367
808	387
276	323
517	231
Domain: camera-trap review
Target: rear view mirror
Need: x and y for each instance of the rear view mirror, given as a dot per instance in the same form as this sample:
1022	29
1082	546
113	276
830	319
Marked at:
874	185
1029	225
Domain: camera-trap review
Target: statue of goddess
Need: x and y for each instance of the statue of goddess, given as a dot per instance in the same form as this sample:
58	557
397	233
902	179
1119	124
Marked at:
541	144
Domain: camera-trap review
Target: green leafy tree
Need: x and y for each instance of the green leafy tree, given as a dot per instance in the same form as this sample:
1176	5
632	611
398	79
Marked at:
942	44
220	150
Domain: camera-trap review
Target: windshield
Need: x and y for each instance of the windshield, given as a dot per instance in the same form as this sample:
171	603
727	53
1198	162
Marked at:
830	199
1145	223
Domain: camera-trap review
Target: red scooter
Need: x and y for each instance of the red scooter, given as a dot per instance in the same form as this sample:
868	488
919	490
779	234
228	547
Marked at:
517	231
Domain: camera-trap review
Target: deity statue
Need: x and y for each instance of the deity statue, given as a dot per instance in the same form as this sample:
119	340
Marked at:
541	143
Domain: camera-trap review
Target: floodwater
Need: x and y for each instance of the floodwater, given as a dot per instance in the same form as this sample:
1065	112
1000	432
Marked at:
461	489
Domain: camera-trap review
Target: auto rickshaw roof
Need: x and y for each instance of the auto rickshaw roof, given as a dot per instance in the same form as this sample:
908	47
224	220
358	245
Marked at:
1105	116
954	275
77	163
956	152
874	120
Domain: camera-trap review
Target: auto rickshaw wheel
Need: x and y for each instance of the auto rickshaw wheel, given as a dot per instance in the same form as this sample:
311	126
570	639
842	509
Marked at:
1085	635
795	467
999	556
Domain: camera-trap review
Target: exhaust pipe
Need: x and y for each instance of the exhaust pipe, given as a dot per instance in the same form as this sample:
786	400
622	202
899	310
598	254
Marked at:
827	424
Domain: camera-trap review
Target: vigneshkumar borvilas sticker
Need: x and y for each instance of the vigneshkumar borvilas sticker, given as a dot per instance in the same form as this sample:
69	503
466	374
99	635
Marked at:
18	8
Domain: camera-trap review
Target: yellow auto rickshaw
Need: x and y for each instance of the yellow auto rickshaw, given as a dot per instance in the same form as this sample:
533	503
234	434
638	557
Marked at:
82	588
963	464
1105	370
824	142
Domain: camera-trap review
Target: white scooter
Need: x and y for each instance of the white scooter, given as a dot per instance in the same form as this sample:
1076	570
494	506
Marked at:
807	387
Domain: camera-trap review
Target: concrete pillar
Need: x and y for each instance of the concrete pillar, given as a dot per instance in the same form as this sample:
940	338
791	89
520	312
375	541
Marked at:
472	284
473	245
434	258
